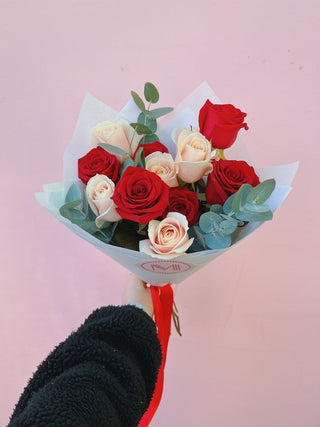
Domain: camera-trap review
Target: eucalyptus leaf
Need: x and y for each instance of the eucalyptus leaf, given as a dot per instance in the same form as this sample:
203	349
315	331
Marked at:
112	149
139	160
227	207
141	129
138	101
209	222
150	122
254	216
229	218
106	231
90	215
217	241
90	227
148	139
199	236
159	112
227	227
128	162
216	209
256	208
240	197
74	193
198	243
151	93
259	194
75	216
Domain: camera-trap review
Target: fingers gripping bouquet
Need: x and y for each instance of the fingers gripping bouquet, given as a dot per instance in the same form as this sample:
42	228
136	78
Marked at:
164	199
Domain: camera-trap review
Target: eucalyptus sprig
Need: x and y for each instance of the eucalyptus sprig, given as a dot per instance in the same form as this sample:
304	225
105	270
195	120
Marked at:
146	124
247	205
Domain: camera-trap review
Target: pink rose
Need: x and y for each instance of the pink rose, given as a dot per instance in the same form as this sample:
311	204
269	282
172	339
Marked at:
116	132
167	238
163	165
193	155
99	191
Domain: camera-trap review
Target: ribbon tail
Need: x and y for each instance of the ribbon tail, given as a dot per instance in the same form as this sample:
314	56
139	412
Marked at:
162	298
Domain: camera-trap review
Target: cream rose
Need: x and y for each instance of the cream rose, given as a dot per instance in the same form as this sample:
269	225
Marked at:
99	191
116	132
167	238
163	165
193	155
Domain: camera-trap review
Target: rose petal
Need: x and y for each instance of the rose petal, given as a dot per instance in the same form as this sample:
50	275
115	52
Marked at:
193	171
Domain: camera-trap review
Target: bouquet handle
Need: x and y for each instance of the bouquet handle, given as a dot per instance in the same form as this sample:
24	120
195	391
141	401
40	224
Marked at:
162	298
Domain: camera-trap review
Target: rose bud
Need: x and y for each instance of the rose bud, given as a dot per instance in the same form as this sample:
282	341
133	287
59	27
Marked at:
99	192
226	179
220	123
116	132
193	155
162	164
167	238
98	161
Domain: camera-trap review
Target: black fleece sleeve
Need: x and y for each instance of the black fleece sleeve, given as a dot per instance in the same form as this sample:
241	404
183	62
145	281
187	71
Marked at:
103	374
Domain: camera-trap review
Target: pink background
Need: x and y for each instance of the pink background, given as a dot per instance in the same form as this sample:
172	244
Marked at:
250	350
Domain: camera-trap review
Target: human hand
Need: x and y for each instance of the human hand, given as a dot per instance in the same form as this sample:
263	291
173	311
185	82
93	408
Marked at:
136	290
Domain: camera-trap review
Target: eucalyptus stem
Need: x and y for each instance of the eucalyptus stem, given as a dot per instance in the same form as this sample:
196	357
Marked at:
145	120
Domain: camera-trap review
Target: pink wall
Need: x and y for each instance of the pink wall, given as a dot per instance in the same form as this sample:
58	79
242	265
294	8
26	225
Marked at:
250	350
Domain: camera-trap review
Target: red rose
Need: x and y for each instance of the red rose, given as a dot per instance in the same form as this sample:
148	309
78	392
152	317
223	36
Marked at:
140	195
226	178
151	148
184	201
220	124
98	161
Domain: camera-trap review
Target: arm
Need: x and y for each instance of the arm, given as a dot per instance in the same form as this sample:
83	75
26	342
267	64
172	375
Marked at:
103	374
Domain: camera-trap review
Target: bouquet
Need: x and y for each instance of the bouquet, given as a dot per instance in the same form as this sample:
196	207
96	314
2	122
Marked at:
164	191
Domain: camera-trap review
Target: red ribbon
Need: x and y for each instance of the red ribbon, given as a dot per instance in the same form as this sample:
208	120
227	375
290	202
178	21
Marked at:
162	298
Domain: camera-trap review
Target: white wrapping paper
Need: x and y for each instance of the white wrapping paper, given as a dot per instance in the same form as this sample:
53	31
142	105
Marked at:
152	270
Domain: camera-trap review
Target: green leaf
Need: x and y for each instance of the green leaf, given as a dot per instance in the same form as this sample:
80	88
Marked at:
151	93
150	122
90	227
128	162
139	160
259	194
201	196
71	205
75	216
240	197
74	193
227	227
148	139
209	222
256	208
216	209
112	149
141	129
138	101
217	241
199	236
159	112
254	216
106	232
227	207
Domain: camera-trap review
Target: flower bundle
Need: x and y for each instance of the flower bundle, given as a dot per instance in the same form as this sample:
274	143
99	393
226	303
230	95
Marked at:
139	196
163	191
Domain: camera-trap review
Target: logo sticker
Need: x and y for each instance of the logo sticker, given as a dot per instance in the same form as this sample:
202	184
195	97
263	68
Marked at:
165	267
